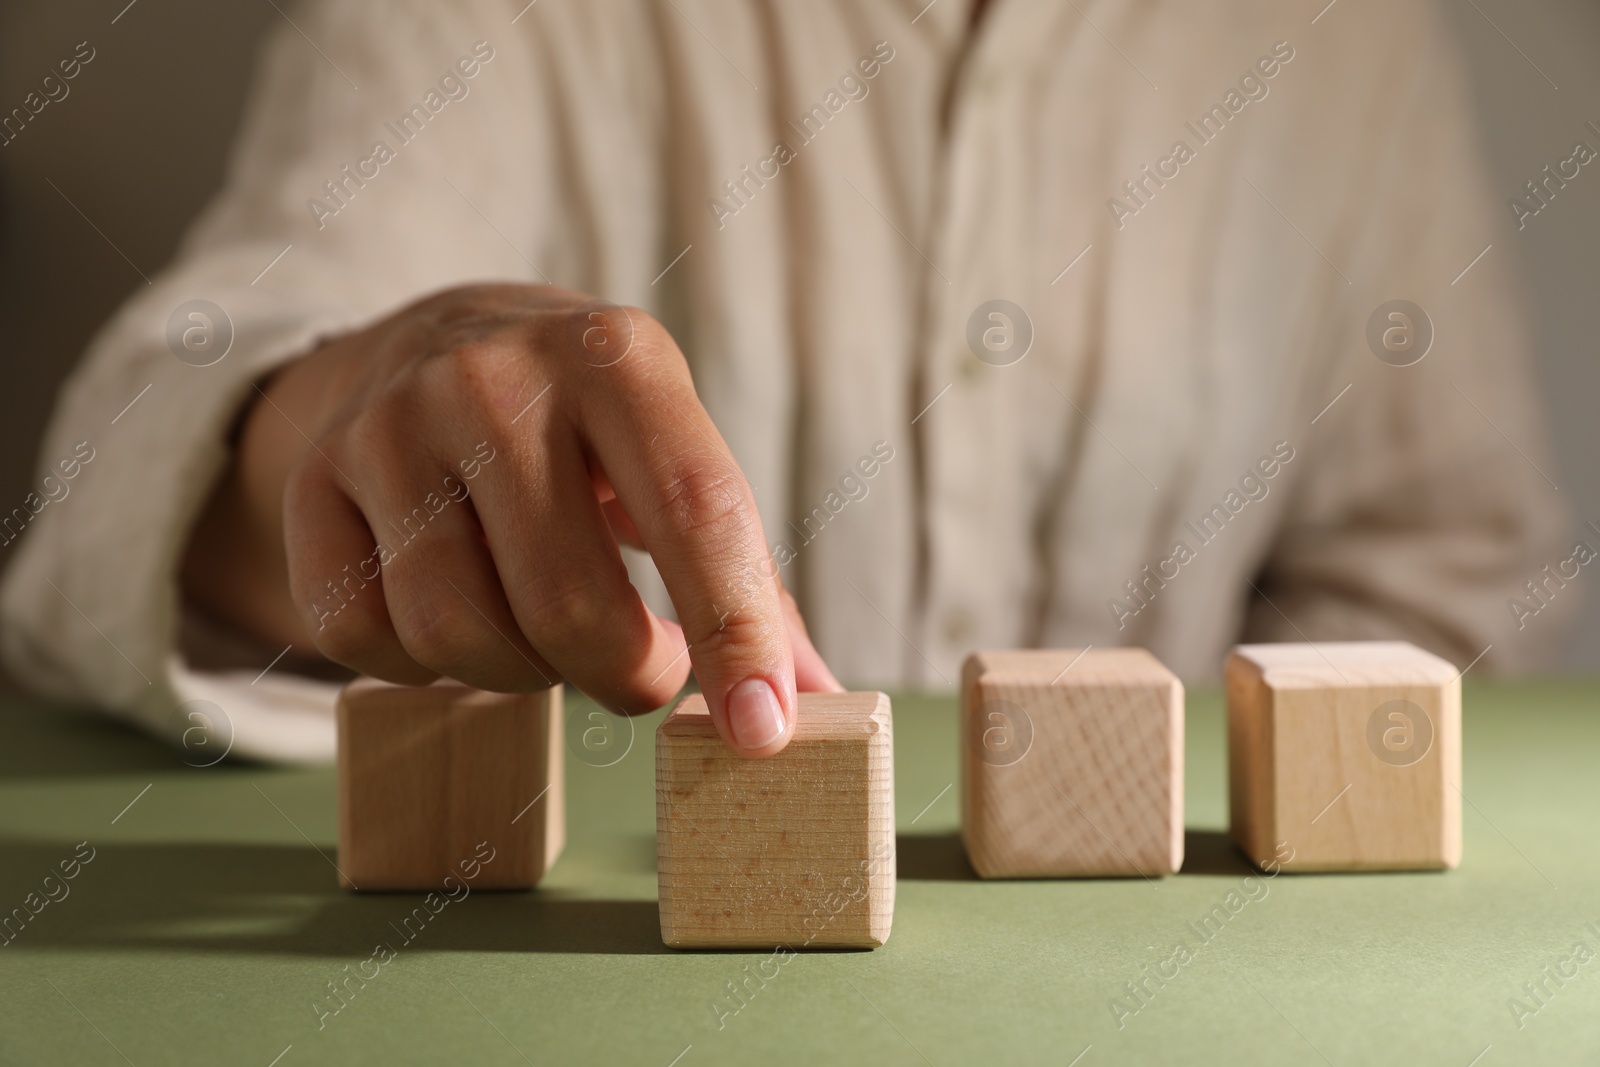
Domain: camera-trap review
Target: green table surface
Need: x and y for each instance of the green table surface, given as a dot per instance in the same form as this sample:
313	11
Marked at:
209	921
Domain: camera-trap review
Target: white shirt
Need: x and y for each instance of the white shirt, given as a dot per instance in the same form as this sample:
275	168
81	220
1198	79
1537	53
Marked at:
1198	315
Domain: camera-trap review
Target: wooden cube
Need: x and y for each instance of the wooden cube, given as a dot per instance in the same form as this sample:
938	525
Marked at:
794	850
1072	763
1344	756
427	774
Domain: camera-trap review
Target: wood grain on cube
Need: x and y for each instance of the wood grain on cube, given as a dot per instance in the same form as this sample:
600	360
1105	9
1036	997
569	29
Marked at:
426	774
1072	763
797	849
1344	756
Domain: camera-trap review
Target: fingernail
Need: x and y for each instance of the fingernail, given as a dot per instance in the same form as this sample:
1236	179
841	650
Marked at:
754	714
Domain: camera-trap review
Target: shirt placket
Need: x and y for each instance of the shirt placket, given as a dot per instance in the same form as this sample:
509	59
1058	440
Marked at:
971	499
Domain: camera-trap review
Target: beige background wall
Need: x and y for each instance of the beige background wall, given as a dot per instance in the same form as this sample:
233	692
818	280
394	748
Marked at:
138	146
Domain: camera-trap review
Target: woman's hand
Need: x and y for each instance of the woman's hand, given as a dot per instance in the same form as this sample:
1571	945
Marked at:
445	493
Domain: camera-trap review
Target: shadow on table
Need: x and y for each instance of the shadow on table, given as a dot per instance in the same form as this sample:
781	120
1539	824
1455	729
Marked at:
932	858
281	900
1213	852
942	858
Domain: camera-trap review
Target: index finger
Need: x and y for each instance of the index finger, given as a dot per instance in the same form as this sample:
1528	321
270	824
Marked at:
693	508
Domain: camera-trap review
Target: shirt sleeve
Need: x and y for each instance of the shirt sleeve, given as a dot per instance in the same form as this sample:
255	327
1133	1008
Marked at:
386	152
1429	496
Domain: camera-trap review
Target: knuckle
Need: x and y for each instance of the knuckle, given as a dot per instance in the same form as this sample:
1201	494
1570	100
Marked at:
351	642
598	318
316	472
486	369
471	299
600	334
476	357
301	489
705	500
629	691
490	380
736	631
441	639
651	333
642	696
570	611
478	310
381	428
627	341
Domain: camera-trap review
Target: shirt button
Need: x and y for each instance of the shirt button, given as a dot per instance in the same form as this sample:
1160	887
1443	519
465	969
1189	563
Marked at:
959	626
